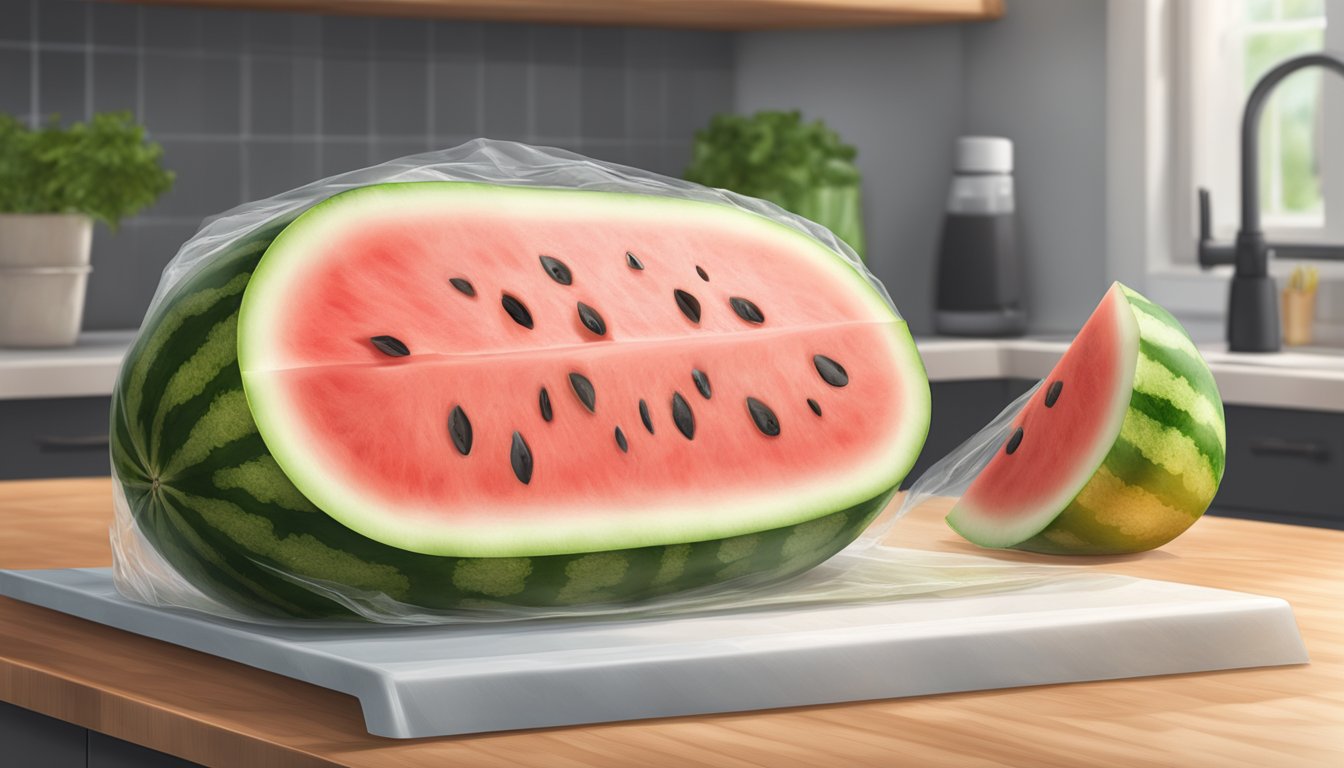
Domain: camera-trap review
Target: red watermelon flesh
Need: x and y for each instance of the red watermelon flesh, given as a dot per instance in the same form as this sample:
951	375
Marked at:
368	434
1056	452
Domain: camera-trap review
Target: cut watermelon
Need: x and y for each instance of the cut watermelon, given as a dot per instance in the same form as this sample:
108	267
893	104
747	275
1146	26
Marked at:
1120	450
449	393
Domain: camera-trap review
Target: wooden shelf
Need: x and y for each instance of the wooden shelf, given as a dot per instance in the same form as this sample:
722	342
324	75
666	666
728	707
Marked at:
698	14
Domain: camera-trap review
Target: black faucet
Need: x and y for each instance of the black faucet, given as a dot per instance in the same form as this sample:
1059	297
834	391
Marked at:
1253	302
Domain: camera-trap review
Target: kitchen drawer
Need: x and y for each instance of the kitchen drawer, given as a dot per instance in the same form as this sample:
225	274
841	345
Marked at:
32	739
1284	465
58	437
107	752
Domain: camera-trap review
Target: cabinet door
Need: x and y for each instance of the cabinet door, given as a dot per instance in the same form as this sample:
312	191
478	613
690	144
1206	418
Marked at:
107	752
1283	465
30	739
59	437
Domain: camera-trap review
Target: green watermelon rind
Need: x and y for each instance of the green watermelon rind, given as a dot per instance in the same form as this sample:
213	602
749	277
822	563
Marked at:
1159	474
269	282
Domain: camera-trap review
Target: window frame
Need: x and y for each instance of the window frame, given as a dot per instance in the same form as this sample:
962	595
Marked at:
1152	211
1209	155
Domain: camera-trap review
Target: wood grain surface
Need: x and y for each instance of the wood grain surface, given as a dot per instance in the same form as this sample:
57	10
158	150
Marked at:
697	14
224	714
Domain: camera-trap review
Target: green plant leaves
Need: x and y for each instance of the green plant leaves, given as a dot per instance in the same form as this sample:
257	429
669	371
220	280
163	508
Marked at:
103	168
802	167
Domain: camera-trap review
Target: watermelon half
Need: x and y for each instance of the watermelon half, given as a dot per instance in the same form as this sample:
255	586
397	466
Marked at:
456	394
1120	449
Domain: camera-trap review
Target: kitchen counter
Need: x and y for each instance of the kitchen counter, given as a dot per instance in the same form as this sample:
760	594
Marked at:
87	369
1299	380
219	713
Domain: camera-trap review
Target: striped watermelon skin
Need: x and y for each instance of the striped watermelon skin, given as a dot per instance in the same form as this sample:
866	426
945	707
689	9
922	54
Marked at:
209	497
1165	467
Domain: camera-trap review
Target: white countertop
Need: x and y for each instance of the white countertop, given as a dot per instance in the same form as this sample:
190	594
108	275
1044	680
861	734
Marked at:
1285	380
87	369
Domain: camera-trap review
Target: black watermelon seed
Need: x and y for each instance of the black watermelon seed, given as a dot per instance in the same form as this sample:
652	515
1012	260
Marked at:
633	260
558	270
682	416
544	399
584	389
746	310
814	405
701	382
689	305
701	272
1015	440
644	416
620	441
390	346
517	311
764	417
520	456
463	285
592	320
831	372
459	427
1052	394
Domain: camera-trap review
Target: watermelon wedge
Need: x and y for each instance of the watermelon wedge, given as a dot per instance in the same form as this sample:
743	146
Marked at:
1120	449
454	394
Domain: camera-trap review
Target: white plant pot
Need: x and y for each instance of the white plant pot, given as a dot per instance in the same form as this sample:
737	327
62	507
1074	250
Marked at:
44	271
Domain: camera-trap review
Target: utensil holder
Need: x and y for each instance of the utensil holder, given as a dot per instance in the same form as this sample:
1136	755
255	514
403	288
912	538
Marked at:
1299	310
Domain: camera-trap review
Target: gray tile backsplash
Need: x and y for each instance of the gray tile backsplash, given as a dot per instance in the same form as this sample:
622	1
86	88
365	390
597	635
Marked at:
247	104
116	81
62	23
16	85
63	83
114	24
284	95
275	166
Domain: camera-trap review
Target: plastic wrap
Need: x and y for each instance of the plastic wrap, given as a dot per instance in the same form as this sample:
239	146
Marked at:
952	474
865	571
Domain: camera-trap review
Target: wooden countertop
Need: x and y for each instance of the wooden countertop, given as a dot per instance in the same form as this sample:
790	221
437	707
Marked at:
224	714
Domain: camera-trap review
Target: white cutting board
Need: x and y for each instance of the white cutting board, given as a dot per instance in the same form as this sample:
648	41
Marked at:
435	681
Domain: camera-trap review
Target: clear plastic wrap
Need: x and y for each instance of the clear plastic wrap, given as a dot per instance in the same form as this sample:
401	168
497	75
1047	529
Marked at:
865	571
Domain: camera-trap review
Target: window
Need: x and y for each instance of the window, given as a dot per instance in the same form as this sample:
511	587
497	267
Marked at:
1177	76
1222	48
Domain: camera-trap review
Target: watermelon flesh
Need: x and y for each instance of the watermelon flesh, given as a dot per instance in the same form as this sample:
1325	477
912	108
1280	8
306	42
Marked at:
1120	450
353	407
363	434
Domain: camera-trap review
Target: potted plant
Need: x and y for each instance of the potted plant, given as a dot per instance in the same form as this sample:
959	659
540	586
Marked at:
805	168
54	183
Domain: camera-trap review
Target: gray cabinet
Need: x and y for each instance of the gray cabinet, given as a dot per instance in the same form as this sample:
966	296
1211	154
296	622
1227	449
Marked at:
1285	466
32	740
107	752
57	437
